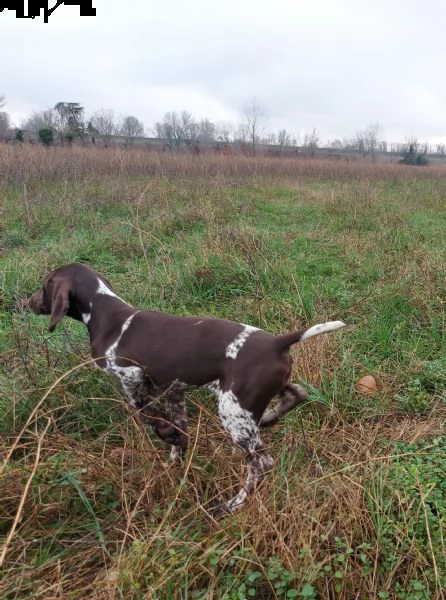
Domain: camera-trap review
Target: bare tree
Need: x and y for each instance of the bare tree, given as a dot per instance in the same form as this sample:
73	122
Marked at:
105	124
312	141
5	124
283	140
169	129
178	128
206	131
190	129
411	143
335	144
224	132
269	139
131	128
45	119
367	140
358	143
350	144
224	135
253	123
295	140
426	148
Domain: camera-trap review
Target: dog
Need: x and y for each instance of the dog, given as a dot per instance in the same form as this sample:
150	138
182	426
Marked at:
157	356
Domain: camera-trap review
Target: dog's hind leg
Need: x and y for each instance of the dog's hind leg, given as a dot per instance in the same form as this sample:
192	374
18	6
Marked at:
290	397
244	431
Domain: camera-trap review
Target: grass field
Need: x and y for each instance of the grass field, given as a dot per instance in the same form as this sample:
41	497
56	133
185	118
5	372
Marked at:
356	504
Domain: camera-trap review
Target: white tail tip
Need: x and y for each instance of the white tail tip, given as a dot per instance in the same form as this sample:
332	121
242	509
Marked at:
322	328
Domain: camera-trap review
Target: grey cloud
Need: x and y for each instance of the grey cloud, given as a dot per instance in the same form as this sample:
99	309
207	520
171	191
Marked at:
333	65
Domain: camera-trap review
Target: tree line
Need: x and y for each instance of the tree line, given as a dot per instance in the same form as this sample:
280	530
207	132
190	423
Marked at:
66	122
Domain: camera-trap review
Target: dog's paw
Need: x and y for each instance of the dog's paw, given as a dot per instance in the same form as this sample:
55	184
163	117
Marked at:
269	418
218	512
177	454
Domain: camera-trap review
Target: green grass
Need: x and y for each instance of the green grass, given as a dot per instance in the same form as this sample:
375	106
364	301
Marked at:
103	514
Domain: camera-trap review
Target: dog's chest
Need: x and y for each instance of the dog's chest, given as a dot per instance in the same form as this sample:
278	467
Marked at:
129	375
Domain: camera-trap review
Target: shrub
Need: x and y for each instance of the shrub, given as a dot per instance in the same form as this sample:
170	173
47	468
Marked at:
411	157
46	136
19	135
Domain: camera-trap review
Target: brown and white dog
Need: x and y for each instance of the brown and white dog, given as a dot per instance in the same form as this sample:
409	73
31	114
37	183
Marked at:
158	356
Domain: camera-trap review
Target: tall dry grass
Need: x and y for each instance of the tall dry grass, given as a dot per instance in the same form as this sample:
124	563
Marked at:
89	506
31	164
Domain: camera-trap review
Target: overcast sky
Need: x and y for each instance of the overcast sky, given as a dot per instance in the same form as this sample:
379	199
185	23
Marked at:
336	65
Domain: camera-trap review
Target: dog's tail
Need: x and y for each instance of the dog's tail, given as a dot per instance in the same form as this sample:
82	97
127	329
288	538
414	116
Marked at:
288	339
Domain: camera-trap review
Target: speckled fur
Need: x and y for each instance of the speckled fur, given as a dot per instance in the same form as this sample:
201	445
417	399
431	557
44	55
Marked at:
243	366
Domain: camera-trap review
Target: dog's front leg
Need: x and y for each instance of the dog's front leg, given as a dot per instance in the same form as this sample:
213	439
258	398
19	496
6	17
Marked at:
176	404
164	409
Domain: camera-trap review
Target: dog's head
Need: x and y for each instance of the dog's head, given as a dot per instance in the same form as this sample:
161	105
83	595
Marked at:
66	291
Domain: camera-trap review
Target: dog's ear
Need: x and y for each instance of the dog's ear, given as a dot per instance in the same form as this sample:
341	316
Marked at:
60	302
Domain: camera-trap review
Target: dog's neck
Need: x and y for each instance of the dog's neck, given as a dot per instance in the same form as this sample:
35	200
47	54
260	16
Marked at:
99	308
106	320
